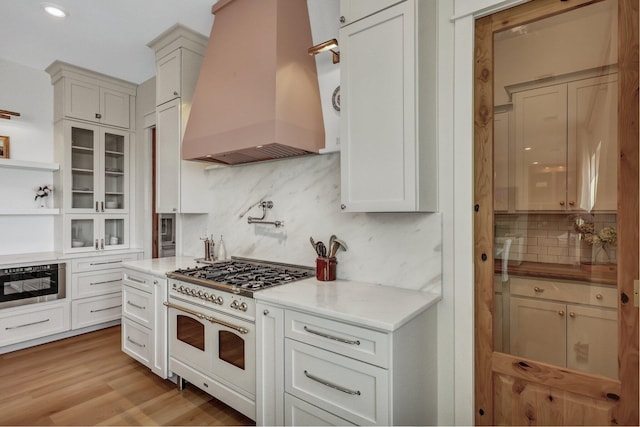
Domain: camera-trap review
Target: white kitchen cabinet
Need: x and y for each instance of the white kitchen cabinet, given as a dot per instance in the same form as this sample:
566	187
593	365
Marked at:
566	146
354	10
568	324
94	97
144	320
96	288
179	183
388	124
33	321
318	370
95	232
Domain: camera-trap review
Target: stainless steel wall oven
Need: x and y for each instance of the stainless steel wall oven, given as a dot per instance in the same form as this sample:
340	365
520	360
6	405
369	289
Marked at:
32	284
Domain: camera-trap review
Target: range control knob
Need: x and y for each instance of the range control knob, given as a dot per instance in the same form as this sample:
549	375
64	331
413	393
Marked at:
243	306
181	289
235	305
205	296
219	301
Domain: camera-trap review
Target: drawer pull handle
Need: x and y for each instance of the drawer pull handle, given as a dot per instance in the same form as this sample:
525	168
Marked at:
105	309
538	289
135	343
133	279
136	305
105	262
26	324
332	385
331	337
104	282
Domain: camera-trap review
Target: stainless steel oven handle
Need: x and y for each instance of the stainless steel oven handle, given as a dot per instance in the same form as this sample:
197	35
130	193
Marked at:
208	318
331	337
26	324
332	385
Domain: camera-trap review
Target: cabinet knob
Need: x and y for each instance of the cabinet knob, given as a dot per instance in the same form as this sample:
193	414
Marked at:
572	314
265	312
561	312
562	203
343	207
572	203
98	116
343	19
538	290
598	296
155	282
175	209
175	93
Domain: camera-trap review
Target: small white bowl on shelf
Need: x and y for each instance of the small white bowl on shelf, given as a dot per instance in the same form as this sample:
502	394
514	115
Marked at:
111	205
77	243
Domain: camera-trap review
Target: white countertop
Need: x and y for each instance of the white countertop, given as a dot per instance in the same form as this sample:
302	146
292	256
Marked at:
160	266
379	307
44	257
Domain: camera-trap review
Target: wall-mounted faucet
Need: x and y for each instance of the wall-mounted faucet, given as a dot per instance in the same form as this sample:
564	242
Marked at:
268	204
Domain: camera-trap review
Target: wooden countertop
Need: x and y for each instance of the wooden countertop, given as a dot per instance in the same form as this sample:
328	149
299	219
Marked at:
604	274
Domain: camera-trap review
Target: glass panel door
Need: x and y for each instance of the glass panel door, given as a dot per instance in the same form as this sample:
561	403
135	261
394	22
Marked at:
114	231
82	233
555	224
114	170
83	161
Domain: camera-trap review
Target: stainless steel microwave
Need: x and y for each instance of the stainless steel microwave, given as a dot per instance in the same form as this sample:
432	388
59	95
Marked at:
32	284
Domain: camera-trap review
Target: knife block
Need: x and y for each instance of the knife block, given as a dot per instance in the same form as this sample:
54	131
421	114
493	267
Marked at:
326	269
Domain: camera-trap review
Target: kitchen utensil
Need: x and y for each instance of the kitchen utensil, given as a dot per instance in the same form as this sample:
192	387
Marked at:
331	239
335	246
321	250
313	243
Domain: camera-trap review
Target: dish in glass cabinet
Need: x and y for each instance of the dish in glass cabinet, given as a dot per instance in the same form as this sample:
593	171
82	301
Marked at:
77	243
335	99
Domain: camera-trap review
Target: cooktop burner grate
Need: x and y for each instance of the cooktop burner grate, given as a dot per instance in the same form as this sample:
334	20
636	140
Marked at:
242	275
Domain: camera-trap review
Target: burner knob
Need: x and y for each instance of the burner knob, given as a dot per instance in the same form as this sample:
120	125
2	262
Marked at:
243	306
219	301
234	304
205	296
181	289
201	295
193	292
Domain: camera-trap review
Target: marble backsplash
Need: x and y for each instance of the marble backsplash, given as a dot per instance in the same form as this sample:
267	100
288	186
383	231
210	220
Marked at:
393	249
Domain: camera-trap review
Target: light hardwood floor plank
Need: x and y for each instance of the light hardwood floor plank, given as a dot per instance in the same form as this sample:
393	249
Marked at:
87	380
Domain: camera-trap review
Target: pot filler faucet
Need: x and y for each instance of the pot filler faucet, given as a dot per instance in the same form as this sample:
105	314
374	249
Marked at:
268	204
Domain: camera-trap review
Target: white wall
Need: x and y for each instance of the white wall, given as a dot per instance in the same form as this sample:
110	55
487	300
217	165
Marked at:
29	92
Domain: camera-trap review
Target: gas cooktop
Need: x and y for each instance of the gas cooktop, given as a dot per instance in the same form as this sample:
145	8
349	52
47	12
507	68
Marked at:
243	276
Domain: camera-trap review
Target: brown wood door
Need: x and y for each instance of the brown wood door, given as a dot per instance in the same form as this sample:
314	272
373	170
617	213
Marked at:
556	214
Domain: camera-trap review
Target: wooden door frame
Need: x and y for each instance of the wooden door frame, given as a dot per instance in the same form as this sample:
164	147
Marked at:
486	361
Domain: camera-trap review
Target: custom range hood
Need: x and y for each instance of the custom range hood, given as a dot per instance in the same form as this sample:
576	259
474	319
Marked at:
257	95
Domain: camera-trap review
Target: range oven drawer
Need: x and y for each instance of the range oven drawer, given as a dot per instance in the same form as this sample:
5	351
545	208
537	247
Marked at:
350	389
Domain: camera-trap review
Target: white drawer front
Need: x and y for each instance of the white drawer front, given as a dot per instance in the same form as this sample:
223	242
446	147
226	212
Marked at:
142	281
100	262
137	305
92	311
94	283
137	342
353	341
34	323
353	390
299	413
573	292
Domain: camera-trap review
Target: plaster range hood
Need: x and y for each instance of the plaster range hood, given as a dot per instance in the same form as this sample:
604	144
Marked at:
257	96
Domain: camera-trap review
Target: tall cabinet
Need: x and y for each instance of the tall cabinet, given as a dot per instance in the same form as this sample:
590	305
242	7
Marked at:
179	183
388	119
94	115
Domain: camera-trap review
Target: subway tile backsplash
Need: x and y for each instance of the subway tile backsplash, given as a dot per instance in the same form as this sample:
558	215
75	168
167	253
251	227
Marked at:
550	238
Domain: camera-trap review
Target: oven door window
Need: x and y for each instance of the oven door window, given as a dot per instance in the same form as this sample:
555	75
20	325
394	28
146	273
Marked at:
190	331
28	285
231	348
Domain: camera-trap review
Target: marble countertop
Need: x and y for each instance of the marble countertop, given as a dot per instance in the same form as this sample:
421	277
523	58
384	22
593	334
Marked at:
31	258
375	306
160	266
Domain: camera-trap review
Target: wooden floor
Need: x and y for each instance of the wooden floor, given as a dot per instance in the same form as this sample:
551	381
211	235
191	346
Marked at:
87	380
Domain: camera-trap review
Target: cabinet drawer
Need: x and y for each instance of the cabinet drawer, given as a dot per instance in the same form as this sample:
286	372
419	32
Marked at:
92	311
94	283
28	324
574	292
144	282
299	413
136	342
101	262
353	390
352	341
138	305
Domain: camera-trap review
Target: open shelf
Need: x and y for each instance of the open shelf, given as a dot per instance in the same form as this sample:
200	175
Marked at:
22	164
29	211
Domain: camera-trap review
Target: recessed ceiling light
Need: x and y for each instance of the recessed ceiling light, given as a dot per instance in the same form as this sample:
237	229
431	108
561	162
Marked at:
54	10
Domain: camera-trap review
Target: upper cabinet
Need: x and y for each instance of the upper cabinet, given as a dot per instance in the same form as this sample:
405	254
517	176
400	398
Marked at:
93	97
565	145
179	183
388	118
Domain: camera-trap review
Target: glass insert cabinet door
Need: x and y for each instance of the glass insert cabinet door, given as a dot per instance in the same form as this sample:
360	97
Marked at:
96	232
98	175
555	221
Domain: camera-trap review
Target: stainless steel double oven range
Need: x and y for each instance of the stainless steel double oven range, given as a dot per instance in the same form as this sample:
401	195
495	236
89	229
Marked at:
212	342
